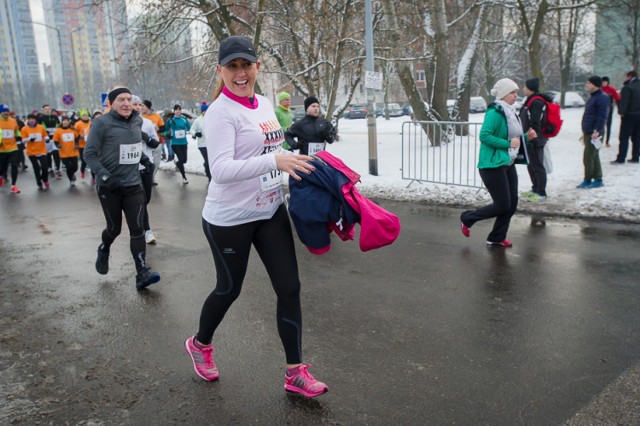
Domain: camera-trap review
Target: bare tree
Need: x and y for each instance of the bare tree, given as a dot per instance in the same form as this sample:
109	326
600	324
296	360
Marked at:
625	15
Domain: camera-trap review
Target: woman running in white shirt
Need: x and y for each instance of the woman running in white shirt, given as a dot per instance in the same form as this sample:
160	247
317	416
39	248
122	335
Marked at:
244	207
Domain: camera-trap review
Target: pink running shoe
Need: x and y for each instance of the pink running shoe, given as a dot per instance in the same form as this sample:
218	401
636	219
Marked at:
465	230
505	243
202	360
304	383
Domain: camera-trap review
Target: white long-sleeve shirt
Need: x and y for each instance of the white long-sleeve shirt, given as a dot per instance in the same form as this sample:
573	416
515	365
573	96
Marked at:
241	145
196	127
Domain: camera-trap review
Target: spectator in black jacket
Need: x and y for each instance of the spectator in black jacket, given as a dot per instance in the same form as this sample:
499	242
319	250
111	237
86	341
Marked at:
629	110
593	123
310	134
532	116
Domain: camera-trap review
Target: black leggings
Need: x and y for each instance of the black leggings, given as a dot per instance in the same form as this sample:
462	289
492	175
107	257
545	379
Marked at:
83	164
10	159
231	246
536	169
207	171
71	167
40	168
181	153
502	184
129	200
146	177
54	158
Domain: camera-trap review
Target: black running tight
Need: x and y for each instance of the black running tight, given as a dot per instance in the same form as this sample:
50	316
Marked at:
40	165
71	167
181	153
231	246
129	200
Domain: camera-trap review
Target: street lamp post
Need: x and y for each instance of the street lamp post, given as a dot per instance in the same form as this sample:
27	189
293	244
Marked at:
64	81
76	77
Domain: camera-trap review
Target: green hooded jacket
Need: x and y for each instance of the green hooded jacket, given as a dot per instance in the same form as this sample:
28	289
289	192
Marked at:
494	142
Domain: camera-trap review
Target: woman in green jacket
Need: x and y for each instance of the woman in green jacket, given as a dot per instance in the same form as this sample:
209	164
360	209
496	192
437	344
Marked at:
500	139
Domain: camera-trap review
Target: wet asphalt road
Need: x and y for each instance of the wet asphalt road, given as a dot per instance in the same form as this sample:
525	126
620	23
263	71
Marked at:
435	329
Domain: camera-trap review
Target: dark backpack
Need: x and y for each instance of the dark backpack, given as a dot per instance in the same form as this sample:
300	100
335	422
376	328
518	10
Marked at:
551	120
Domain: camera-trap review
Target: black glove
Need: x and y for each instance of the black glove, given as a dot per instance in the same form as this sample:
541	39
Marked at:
151	142
198	134
110	182
146	162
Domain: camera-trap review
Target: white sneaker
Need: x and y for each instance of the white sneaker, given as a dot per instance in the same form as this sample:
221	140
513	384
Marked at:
185	181
149	237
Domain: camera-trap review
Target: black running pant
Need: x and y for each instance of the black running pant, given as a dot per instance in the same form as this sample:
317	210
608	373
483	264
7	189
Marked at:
146	177
83	164
71	167
54	158
10	159
502	184
40	165
231	246
203	151
129	200
181	153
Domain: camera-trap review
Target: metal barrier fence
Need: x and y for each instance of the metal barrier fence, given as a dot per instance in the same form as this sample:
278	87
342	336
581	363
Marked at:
441	152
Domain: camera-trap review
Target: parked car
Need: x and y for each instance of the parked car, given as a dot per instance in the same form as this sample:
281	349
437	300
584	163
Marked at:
356	111
298	114
407	109
477	104
571	100
379	112
395	110
519	102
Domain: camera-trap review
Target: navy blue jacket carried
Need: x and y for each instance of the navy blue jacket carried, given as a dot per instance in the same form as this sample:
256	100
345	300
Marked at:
595	113
327	201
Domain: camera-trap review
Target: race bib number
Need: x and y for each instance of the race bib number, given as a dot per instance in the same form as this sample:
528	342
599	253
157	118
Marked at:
180	134
131	154
35	137
316	147
8	134
67	137
271	180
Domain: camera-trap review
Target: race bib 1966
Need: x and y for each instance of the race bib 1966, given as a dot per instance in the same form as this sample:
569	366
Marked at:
130	154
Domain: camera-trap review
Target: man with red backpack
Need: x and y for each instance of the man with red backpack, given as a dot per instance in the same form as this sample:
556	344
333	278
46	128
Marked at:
533	116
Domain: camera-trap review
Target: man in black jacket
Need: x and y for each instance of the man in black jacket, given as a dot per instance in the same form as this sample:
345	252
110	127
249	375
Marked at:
312	132
532	116
594	120
629	110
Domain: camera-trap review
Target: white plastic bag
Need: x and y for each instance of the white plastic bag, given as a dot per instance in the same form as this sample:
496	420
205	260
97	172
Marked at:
548	164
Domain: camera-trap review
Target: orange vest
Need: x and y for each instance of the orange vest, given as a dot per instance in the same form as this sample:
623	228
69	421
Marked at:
8	128
67	140
36	146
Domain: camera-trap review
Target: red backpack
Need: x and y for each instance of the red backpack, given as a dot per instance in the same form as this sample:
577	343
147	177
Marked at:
551	122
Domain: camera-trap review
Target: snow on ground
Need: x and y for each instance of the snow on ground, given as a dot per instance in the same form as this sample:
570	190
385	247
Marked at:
619	199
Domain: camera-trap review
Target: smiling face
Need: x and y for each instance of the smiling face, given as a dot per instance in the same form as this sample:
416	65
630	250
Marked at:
239	76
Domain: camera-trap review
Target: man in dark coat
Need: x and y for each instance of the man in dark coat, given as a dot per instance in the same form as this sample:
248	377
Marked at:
310	134
629	110
532	115
594	120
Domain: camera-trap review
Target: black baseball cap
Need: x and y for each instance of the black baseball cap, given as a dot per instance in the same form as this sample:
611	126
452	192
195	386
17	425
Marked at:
235	47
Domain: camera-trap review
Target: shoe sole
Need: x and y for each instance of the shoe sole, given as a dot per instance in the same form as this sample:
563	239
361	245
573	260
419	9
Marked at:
296	390
186	348
492	244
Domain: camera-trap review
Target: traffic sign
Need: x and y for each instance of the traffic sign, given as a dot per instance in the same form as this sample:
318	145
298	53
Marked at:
68	99
103	99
